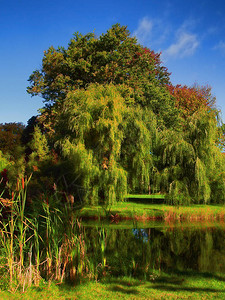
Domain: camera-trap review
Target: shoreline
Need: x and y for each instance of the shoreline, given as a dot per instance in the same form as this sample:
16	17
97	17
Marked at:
127	211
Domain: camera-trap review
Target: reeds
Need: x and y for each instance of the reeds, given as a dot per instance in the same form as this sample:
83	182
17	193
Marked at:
49	244
16	232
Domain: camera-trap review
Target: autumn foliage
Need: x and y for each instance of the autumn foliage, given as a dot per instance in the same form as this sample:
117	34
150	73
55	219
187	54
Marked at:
191	99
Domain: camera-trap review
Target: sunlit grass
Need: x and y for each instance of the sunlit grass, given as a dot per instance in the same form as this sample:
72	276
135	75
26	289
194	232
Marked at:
144	211
187	285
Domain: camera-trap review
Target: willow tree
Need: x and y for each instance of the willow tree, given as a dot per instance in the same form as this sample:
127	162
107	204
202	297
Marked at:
189	163
86	136
112	114
106	141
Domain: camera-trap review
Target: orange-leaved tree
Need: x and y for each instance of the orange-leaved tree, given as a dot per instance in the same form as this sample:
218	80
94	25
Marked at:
190	99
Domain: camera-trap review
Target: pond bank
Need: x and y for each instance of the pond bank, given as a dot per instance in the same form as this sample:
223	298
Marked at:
146	212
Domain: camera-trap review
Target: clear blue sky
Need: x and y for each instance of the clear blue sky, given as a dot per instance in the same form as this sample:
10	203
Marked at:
190	34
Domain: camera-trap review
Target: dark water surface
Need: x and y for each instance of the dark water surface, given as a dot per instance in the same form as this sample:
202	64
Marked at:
140	251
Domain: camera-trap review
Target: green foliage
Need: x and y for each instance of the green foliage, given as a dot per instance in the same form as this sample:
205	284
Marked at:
139	131
188	161
114	57
4	161
114	118
12	151
90	135
38	146
10	138
17	167
221	139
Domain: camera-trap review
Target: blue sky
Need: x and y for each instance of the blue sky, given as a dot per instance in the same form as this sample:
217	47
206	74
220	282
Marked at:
190	34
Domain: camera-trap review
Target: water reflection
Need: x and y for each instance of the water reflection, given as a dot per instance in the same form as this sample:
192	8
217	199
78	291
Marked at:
140	252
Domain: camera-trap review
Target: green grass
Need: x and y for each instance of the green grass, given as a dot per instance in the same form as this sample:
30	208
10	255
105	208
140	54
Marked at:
144	211
144	197
137	196
186	285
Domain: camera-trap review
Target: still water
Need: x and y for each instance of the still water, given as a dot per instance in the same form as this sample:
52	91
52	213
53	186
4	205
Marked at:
139	252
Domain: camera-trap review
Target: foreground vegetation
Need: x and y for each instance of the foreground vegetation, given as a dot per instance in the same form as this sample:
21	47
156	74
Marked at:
186	285
47	242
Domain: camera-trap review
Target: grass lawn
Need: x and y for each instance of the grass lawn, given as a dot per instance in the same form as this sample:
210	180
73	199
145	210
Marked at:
145	211
174	286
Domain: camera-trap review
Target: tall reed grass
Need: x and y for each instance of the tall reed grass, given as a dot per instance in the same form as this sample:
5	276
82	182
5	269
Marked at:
44	243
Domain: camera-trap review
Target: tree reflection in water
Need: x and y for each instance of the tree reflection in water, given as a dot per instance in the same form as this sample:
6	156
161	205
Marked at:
140	252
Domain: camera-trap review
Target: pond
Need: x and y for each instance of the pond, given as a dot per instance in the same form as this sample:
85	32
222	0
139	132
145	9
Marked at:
142	252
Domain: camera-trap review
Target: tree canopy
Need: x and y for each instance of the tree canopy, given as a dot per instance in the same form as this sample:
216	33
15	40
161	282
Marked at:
115	57
112	114
10	138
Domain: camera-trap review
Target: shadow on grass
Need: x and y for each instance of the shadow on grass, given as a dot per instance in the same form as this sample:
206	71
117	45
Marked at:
122	286
122	282
154	209
147	201
187	289
178	281
169	280
199	274
121	289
